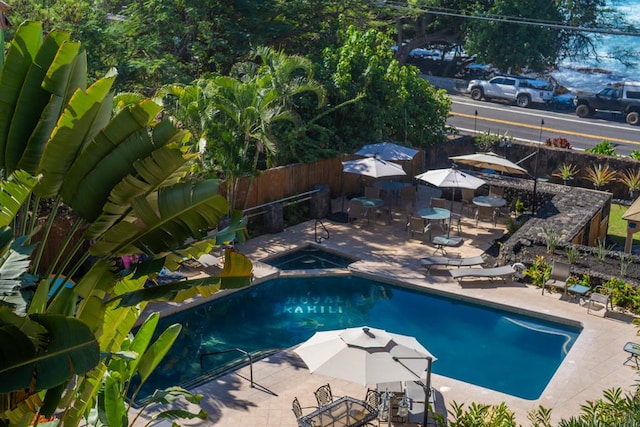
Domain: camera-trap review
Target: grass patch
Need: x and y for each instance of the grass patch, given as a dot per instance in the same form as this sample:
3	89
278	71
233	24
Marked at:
617	232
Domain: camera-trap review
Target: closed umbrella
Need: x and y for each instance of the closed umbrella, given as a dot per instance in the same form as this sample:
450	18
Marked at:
367	356
387	151
490	161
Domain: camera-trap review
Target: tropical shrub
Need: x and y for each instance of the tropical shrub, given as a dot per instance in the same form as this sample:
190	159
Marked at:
559	142
635	154
622	294
552	238
481	415
573	254
539	272
605	148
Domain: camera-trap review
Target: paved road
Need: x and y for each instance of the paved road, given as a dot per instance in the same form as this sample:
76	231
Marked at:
470	116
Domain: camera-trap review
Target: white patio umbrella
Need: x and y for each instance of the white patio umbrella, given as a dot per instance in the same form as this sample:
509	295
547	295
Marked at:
367	356
490	161
364	355
387	151
450	178
373	167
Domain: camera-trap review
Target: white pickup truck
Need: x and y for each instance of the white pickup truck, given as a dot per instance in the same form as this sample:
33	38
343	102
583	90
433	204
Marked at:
521	90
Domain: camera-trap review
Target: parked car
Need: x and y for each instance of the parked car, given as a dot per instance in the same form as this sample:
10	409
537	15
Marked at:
617	98
521	90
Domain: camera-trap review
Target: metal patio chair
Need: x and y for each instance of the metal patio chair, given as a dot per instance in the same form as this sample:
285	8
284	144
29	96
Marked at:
323	395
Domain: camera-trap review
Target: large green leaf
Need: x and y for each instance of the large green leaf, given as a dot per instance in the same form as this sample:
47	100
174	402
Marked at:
178	213
19	59
65	61
110	158
114	406
32	101
237	273
86	114
14	263
154	354
13	193
70	348
141	341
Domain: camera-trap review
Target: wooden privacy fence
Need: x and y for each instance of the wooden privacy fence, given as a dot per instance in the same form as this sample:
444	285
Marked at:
278	183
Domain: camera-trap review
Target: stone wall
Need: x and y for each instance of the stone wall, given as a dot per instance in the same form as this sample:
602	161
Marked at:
549	161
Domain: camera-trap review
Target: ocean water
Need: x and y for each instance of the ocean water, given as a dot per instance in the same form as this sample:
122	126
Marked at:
569	76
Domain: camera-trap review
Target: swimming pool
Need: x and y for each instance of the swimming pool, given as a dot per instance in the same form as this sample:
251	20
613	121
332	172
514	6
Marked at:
501	350
309	257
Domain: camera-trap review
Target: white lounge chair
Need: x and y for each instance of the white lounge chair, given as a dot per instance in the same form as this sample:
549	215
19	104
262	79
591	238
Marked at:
430	261
502	272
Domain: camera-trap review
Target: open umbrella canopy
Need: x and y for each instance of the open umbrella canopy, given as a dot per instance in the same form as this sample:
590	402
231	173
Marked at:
372	166
365	355
387	151
450	178
490	161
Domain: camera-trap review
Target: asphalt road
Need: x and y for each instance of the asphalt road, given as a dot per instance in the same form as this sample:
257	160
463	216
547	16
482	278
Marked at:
525	124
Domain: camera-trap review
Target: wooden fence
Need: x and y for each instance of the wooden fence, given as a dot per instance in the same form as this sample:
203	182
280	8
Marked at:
278	183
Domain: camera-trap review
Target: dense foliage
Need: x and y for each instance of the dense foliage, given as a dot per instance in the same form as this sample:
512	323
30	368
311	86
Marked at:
153	42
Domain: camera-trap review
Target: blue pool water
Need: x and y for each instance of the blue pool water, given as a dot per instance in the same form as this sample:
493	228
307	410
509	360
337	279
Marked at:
309	257
500	350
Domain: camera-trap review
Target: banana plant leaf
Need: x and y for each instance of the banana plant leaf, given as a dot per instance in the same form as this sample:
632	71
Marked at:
14	263
68	347
33	100
13	193
180	212
20	55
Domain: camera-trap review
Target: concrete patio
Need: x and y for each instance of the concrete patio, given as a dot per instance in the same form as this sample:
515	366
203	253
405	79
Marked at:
386	252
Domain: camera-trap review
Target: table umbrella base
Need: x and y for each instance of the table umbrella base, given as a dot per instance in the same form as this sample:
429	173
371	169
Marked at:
342	217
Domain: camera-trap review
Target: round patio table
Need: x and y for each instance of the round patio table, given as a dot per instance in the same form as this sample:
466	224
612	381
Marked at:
369	202
437	214
489	201
434	213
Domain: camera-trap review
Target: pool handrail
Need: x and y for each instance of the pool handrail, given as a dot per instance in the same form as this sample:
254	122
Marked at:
246	353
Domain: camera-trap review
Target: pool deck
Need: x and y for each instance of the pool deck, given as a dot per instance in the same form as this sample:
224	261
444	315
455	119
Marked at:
594	363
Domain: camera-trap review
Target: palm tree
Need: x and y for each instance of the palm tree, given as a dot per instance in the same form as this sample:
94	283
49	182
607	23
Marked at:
124	178
235	115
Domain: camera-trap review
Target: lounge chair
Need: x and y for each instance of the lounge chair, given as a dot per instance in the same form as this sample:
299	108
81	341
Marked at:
430	261
492	273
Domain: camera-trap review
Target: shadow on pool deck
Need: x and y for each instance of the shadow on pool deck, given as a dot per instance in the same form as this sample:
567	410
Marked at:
594	363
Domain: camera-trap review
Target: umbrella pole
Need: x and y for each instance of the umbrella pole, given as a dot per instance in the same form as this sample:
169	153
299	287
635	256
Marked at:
427	393
426	387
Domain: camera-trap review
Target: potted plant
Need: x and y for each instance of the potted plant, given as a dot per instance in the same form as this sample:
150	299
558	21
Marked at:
566	172
600	175
631	178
